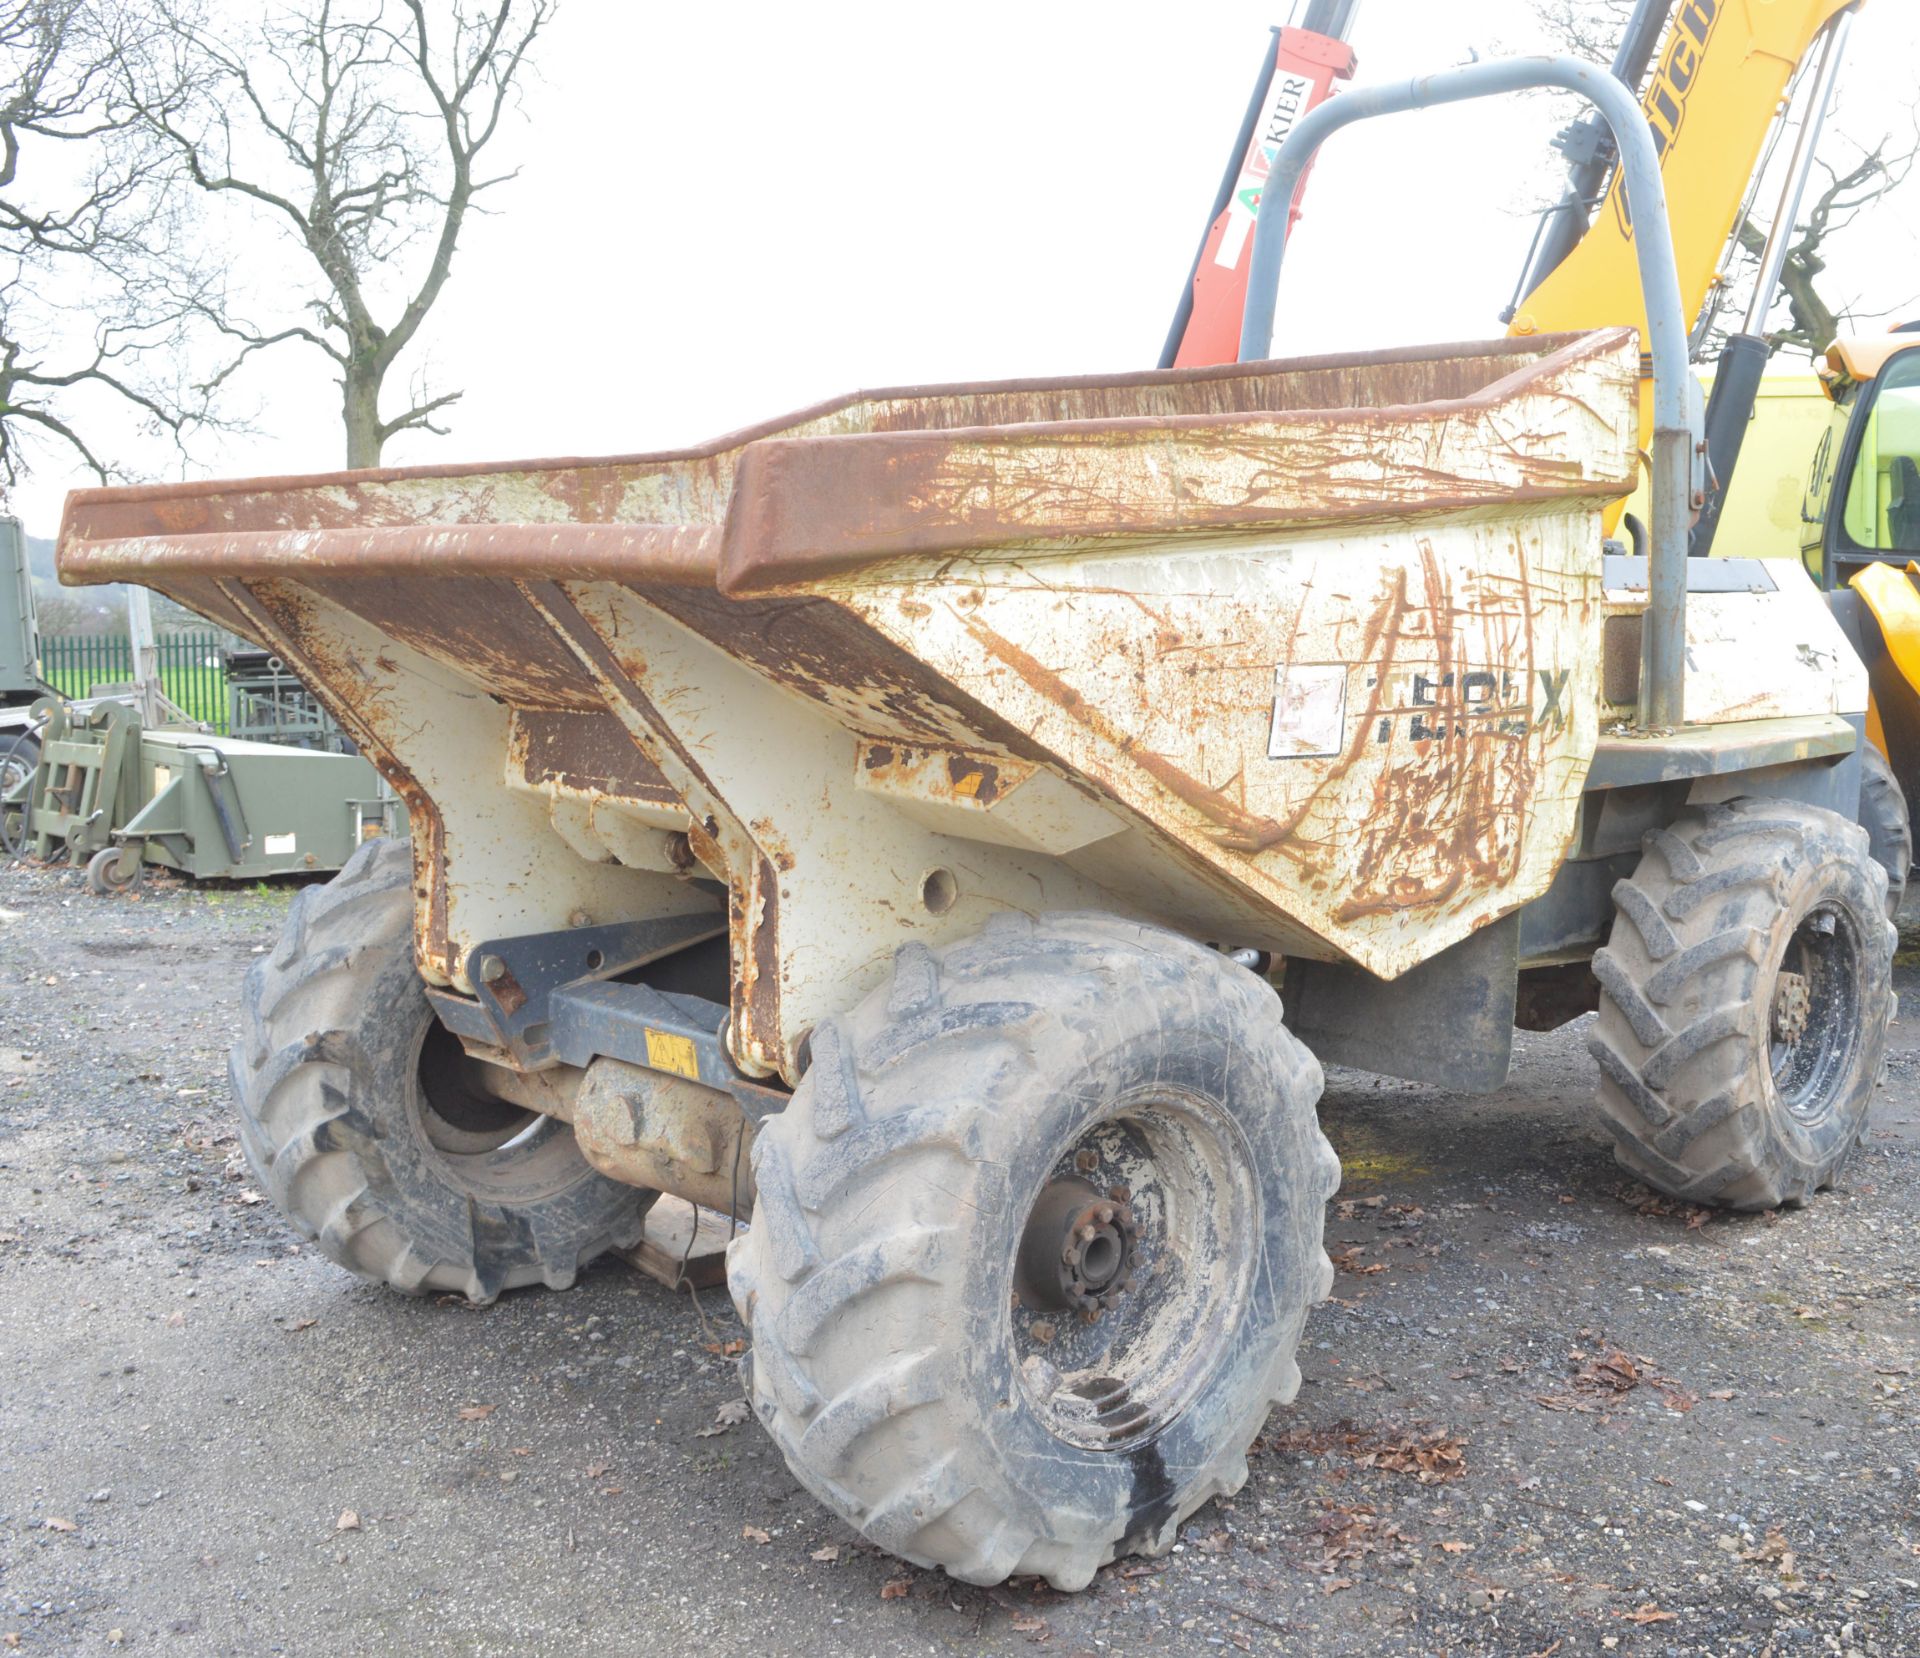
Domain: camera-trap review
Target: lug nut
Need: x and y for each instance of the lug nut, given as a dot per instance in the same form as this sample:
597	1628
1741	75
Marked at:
1042	1332
1105	1212
1119	1194
1086	1234
1092	1314
1086	1160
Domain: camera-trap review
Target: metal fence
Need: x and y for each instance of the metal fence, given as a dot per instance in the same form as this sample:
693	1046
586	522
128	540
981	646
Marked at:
191	669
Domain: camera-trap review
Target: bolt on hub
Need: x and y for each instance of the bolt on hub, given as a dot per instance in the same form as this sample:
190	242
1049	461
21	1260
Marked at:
1077	1253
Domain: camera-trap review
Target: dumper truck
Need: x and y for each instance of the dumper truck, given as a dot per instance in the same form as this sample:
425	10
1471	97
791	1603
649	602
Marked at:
895	826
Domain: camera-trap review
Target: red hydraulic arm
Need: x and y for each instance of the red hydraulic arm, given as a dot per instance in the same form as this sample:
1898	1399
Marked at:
1299	71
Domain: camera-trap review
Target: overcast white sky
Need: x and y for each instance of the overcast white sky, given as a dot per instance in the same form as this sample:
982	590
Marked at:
730	210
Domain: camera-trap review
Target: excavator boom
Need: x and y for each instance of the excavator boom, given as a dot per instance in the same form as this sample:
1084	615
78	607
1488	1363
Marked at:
1714	92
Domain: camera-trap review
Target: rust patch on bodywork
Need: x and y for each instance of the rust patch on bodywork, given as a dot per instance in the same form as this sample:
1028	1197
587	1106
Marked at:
956	776
809	509
589	754
1240	830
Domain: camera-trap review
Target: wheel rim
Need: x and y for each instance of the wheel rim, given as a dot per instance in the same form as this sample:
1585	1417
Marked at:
1814	1016
492	1148
1136	1256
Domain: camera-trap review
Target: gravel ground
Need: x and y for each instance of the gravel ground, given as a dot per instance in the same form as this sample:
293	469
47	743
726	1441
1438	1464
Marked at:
1544	1414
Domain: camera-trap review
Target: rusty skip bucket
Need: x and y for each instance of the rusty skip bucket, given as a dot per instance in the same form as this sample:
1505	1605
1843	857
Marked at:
1299	655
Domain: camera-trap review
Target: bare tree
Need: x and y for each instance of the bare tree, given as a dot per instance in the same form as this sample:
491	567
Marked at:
1587	28
87	231
357	128
1813	320
1592	29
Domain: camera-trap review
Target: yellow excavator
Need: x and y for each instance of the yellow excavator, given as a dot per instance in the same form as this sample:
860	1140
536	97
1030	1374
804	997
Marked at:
1860	536
1720	83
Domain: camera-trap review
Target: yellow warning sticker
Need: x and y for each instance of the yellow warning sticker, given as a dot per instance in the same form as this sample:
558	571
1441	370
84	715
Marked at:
668	1052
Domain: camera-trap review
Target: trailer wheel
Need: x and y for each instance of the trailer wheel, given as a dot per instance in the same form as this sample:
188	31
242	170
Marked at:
1745	995
1883	814
114	869
362	1118
19	759
1033	1246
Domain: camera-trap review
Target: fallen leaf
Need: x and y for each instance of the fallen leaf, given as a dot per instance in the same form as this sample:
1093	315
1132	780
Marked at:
1026	1623
1775	1551
348	1521
520	1450
1673	1395
1433	1459
1648	1614
1566	1402
1334	1585
1613	1372
729	1416
175	1319
826	1556
300	1324
1721	1393
725	1349
475	1413
596	1469
1454	1546
896	1588
1215	1542
56	1523
754	1534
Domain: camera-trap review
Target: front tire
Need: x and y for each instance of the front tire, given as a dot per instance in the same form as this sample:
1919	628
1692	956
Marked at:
1745	994
365	1123
1033	1247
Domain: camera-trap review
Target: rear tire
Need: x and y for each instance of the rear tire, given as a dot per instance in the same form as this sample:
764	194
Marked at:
1745	995
905	1356
1884	816
360	1115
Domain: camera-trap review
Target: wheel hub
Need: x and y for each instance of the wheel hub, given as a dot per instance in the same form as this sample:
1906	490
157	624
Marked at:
1792	1007
1077	1252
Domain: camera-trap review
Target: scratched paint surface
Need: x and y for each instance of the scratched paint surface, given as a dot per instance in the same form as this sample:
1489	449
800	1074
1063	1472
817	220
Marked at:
1466	657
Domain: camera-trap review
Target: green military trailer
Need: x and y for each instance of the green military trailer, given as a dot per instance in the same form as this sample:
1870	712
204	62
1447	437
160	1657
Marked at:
122	797
20	681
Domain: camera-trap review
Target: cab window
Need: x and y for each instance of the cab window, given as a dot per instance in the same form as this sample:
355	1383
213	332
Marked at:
1882	511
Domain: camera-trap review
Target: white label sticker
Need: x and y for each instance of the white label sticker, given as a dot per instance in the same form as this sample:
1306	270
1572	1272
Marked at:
1309	711
277	844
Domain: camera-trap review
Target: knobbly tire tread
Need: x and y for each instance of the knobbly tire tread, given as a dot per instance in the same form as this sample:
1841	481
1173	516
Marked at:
323	1074
859	1267
1686	977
